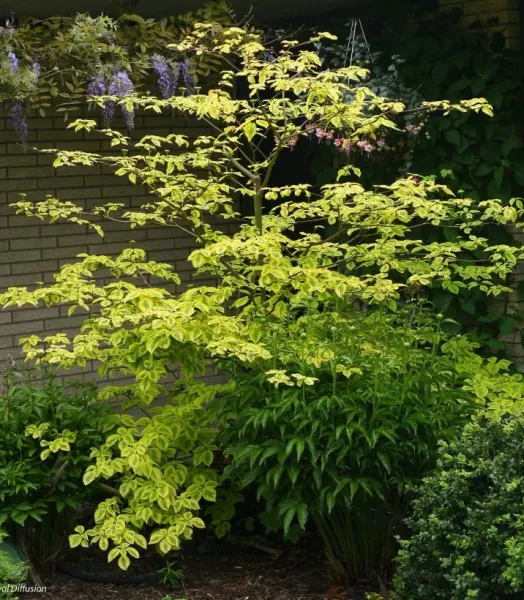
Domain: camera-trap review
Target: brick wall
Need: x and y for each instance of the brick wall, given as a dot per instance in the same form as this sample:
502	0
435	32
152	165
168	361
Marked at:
31	251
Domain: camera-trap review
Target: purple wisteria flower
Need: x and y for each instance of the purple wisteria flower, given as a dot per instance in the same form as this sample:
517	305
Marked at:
18	119
120	86
176	78
108	112
36	69
13	60
182	70
97	86
165	79
188	77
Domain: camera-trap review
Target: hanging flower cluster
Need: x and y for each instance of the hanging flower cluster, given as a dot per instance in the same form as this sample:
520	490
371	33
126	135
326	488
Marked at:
18	119
169	79
364	146
17	110
121	86
164	75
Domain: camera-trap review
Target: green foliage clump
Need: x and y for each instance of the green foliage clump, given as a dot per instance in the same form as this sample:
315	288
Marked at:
47	431
338	422
466	529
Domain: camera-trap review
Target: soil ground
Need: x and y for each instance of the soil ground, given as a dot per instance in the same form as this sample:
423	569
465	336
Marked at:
212	570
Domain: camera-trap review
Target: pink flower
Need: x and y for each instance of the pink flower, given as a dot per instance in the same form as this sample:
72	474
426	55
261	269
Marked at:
368	148
329	135
381	142
338	142
361	144
292	142
415	179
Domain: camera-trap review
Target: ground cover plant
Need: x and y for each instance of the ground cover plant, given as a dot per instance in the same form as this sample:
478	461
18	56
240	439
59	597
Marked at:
320	324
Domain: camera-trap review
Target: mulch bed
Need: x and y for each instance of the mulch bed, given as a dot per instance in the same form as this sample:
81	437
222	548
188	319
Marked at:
212	570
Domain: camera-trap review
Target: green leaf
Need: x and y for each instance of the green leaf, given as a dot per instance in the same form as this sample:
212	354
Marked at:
483	169
124	562
302	512
288	518
452	136
113	554
250	130
491	317
507	325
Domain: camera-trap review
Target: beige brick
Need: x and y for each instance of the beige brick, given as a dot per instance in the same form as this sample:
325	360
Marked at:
35	314
29	172
60	229
82	238
11	149
55	183
5	317
81	145
112	190
165	244
37	266
31	195
124	236
32	243
19	328
81	193
19	256
6	341
40	123
64	323
108	248
18	160
186	241
51	135
11	136
9	353
23	224
68	252
162	233
22	185
18	280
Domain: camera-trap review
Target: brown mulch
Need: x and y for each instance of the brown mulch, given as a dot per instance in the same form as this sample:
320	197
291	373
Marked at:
211	571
